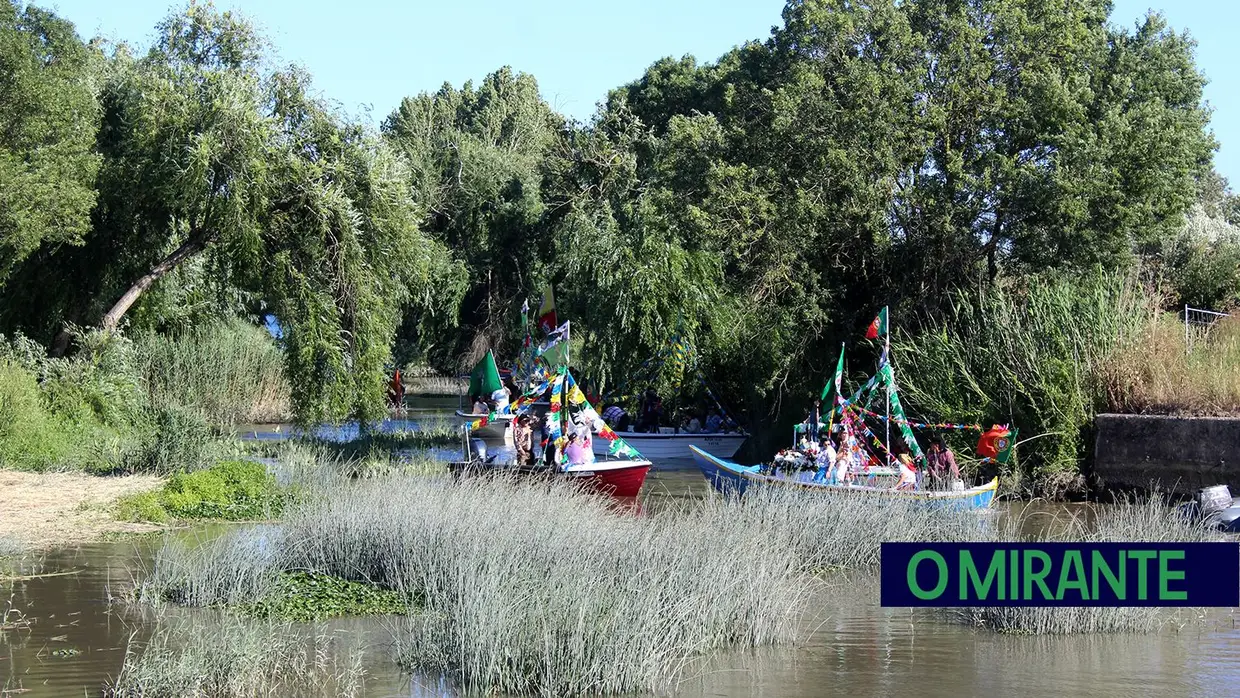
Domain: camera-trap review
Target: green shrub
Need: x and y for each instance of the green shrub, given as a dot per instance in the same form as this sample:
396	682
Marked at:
230	490
173	439
143	506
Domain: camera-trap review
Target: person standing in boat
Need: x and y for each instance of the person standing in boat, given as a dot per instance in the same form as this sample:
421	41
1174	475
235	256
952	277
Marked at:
825	462
941	463
651	413
908	469
523	440
813	420
577	451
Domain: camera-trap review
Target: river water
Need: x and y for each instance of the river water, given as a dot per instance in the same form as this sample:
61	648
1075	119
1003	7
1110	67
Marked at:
75	640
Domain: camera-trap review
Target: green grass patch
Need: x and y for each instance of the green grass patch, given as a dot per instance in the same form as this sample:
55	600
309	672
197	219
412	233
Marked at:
306	596
231	490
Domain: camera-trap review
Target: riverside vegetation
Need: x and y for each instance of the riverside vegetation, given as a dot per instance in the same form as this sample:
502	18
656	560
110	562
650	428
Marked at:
513	587
976	201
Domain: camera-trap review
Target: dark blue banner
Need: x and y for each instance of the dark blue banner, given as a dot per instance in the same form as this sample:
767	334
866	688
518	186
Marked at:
1061	574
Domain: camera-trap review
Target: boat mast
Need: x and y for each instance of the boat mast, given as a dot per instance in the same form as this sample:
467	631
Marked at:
887	358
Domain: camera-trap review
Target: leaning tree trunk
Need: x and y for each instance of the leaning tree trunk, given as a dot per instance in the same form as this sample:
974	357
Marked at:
196	243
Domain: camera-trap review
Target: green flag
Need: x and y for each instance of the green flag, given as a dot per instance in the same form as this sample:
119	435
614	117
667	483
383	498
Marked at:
484	380
839	377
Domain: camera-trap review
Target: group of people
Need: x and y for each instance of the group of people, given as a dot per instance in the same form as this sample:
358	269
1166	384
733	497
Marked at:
938	469
531	440
837	457
651	416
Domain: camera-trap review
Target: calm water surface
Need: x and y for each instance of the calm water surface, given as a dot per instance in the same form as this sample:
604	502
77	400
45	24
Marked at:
850	646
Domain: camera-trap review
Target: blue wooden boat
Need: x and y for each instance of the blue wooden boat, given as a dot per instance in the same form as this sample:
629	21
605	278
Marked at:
733	478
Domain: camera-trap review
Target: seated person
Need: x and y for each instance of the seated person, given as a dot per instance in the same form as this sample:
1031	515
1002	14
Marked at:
714	422
691	424
616	417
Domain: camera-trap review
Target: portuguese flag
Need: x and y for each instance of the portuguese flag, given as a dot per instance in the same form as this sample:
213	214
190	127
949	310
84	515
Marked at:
878	328
546	311
484	380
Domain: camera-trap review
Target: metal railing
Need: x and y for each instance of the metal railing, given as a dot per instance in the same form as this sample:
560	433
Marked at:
1197	324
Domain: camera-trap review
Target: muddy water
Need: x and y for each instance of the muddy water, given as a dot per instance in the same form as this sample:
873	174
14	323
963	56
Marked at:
75	640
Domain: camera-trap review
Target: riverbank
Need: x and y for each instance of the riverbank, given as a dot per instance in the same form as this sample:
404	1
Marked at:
45	510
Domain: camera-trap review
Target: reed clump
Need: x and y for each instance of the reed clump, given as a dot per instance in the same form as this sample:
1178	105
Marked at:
521	588
227	657
231	371
1150	521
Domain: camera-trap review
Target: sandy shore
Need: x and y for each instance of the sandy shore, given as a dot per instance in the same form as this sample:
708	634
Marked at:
49	509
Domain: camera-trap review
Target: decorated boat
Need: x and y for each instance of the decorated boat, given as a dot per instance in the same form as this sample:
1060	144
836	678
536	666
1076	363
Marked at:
732	478
552	398
669	445
853	457
495	424
620	471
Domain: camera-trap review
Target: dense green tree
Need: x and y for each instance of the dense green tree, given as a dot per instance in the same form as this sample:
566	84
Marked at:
48	120
477	156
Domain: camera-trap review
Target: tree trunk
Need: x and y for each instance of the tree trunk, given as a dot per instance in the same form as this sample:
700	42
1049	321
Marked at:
195	244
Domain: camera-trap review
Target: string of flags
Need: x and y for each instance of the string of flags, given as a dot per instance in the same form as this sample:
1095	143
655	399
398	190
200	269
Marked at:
917	425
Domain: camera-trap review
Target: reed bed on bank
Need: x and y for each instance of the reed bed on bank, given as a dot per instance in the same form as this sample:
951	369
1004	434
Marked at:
523	588
1157	375
1149	520
231	371
227	657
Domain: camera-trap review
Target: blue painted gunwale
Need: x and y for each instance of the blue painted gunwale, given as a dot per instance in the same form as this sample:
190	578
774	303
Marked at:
732	478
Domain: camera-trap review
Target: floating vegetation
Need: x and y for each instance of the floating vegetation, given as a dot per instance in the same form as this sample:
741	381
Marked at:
307	596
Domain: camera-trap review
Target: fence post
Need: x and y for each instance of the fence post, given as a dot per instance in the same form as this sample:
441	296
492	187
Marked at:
1187	350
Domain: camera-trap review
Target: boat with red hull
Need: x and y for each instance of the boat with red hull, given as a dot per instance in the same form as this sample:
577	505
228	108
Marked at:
618	478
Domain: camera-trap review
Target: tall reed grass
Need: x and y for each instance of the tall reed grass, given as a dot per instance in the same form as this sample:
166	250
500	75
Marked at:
1155	374
225	657
1149	520
1036	355
524	588
231	371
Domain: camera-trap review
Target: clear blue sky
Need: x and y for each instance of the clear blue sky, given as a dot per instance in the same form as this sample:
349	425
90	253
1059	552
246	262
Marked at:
368	54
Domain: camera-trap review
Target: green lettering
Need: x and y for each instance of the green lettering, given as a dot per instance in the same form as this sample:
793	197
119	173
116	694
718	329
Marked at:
914	587
968	574
1014	580
1167	575
1143	558
1072	562
1038	577
1118	584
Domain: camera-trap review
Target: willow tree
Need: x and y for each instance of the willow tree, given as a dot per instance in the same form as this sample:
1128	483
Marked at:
209	156
478	156
48	120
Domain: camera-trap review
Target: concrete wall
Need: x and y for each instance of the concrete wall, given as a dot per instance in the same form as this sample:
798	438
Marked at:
1180	453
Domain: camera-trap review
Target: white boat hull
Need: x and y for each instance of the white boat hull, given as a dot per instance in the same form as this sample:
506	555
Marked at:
664	446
